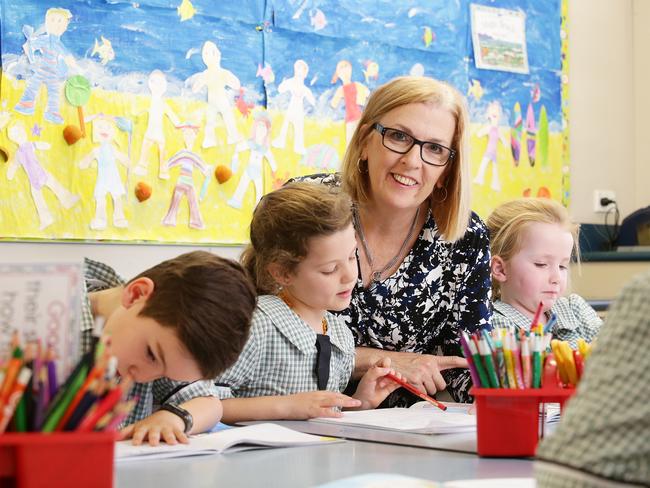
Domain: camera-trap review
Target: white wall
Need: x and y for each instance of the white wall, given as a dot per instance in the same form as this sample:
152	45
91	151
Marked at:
601	103
609	129
127	259
641	67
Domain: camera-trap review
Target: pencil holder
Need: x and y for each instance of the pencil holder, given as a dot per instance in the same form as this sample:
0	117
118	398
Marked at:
508	421
31	460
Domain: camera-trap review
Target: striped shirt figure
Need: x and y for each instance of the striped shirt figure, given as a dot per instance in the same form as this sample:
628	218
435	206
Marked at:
49	61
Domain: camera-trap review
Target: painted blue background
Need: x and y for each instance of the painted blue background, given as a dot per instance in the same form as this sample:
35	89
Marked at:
148	35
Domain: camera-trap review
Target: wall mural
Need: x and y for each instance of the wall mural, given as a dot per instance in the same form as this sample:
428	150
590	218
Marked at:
167	120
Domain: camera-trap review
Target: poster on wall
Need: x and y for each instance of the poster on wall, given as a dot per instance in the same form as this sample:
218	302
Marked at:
165	121
499	38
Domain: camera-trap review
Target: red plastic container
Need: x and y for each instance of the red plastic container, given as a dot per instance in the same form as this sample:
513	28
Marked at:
34	460
508	420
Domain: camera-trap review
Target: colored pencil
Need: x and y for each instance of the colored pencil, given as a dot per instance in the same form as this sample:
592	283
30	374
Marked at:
416	391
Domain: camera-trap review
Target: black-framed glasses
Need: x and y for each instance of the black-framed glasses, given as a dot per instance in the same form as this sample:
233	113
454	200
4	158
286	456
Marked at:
400	142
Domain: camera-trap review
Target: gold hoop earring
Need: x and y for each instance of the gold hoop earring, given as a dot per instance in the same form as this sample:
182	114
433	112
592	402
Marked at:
443	189
359	163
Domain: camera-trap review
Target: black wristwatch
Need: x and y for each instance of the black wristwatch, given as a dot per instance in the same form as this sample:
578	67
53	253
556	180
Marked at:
182	413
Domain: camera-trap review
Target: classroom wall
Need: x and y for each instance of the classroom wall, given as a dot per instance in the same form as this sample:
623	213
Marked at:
641	67
609	103
601	101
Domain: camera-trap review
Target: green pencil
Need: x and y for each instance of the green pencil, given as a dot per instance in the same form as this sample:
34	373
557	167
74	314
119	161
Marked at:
56	414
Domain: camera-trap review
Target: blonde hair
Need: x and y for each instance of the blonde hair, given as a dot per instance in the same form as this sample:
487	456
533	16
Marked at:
58	11
509	221
451	212
283	223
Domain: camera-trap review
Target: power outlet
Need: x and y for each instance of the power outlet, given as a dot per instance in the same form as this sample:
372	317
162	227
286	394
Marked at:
599	195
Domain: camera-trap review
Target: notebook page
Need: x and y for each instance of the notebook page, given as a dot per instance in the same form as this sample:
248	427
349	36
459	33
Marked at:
421	420
230	440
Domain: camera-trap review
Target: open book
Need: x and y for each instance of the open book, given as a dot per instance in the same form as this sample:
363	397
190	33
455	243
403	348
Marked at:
230	440
421	418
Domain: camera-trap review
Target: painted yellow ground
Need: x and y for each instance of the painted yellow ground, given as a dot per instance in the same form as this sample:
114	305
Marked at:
224	225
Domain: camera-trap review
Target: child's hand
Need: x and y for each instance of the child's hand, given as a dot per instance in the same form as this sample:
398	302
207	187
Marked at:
374	387
160	425
311	404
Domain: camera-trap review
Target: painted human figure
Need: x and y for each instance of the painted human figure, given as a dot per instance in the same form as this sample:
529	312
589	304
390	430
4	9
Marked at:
354	95
295	114
109	181
491	129
154	133
258	145
216	79
50	67
187	160
37	176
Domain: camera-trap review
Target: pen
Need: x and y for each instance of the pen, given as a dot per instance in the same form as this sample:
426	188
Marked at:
580	364
568	361
486	354
482	374
559	359
501	364
516	360
510	364
549	325
464	344
537	362
415	391
105	405
525	360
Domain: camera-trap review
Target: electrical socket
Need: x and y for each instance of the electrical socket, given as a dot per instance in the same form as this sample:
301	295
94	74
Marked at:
600	194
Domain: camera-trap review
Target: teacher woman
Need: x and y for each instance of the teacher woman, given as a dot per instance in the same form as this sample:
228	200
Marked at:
423	255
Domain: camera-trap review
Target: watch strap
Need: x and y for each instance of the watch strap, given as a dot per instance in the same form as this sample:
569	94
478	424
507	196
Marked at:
182	413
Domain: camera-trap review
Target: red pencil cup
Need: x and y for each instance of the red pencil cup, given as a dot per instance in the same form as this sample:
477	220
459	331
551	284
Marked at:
31	460
507	421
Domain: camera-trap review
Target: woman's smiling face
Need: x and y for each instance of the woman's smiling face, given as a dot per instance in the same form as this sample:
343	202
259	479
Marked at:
404	180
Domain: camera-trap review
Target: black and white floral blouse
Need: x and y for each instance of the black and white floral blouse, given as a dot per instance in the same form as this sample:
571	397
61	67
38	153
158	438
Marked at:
439	289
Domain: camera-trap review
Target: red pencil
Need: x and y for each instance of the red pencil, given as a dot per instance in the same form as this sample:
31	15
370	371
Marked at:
417	392
538	312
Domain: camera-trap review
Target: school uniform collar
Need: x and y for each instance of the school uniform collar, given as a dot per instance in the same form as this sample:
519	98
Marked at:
512	314
304	338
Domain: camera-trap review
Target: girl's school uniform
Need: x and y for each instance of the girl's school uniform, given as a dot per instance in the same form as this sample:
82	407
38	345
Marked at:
575	319
280	356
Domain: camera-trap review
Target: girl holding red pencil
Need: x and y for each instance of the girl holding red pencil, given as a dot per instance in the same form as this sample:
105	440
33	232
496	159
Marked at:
299	356
532	241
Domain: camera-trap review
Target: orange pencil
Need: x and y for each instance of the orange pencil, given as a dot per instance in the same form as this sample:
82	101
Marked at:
11	373
415	391
14	397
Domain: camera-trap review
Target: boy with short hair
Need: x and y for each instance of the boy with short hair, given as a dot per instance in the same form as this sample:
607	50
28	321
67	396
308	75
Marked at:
183	320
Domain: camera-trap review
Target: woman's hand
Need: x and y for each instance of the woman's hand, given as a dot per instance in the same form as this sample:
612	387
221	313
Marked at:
311	404
374	387
423	371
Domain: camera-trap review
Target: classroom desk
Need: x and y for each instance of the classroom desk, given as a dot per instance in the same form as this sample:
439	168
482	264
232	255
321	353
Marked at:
314	465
